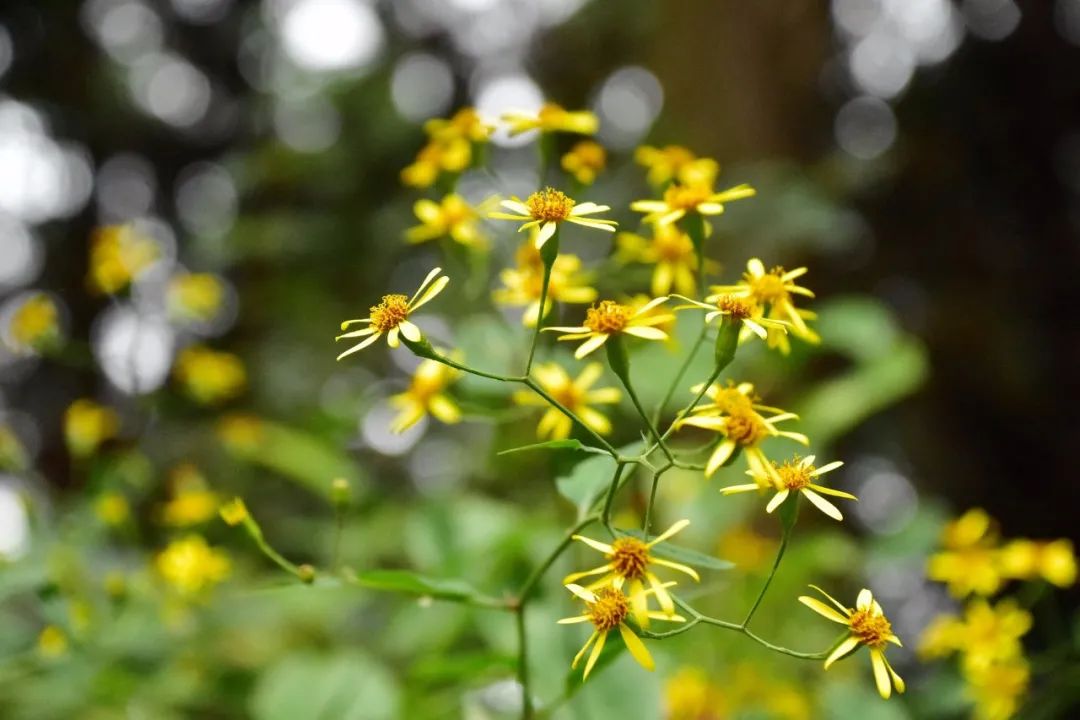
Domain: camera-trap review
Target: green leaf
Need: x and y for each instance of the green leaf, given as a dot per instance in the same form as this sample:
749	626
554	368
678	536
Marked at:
345	686
589	479
678	554
410	583
567	444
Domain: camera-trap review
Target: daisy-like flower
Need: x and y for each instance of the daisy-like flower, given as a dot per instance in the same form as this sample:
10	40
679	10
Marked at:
971	559
671	251
585	161
867	626
552	118
466	123
576	395
546	208
523	285
737	308
664	163
744	428
696	197
610	318
449	148
795	476
727	399
628	563
426	396
772	289
452	217
607	609
391	316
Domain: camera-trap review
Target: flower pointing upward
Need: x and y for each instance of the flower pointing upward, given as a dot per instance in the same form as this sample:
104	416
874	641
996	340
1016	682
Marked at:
547	208
391	316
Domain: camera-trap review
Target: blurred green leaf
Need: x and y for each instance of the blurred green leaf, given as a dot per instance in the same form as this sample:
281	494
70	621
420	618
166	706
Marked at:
680	554
410	583
567	444
345	686
590	478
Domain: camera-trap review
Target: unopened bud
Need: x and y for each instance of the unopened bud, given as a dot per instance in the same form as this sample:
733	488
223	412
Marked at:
340	493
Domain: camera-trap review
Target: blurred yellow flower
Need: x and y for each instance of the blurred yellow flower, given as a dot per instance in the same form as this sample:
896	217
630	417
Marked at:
610	318
552	118
698	197
112	508
426	395
670	250
35	324
242	433
576	395
796	475
190	566
466	123
998	689
689	695
773	290
452	217
628	563
52	643
208	376
234	512
118	255
585	161
663	164
1053	561
747	548
970	562
391	316
867	625
985	635
449	149
523	284
87	425
608	609
546	208
195	296
192	501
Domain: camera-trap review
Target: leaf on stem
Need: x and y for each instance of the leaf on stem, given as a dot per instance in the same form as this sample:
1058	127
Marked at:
679	554
566	444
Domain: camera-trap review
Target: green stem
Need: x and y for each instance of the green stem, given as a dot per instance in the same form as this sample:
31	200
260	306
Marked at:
645	418
772	573
554	242
658	413
652	499
532	385
530	582
523	665
605	515
695	228
690	408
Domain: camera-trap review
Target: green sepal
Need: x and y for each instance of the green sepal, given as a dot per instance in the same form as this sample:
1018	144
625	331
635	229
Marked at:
421	348
789	511
617	358
727	340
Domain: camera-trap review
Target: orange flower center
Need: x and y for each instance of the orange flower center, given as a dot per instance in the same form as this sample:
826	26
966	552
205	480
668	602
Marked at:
686	197
870	628
609	610
793	475
549	205
738	308
673	246
770	287
629	558
391	312
608	317
745	427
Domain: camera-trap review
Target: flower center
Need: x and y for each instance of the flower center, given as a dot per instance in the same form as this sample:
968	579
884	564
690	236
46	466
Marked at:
673	246
738	308
686	197
793	475
610	609
769	288
608	317
391	312
745	427
870	628
629	557
549	205
730	401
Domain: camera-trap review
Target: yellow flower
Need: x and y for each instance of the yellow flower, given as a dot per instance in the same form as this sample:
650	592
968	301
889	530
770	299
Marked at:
747	548
575	395
971	561
795	475
118	255
698	197
610	318
744	310
191	566
998	689
552	118
466	123
87	425
773	289
607	609
35	324
628	562
195	296
192	501
52	643
743	428
112	508
546	208
984	636
242	433
522	285
208	376
391	316
663	164
671	250
234	512
585	161
688	695
867	625
426	394
1054	561
450	154
453	217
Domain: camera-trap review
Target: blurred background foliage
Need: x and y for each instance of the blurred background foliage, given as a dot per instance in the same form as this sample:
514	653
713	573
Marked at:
921	157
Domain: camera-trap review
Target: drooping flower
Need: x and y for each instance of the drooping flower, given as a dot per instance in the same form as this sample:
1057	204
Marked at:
87	425
552	118
35	325
118	255
796	475
575	395
773	291
210	377
190	566
671	251
523	284
546	208
195	297
585	161
452	217
391	316
628	563
742	309
867	625
608	609
697	197
610	318
234	512
426	395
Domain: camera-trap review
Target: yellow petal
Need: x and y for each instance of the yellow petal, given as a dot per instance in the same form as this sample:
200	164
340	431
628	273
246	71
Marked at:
637	648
